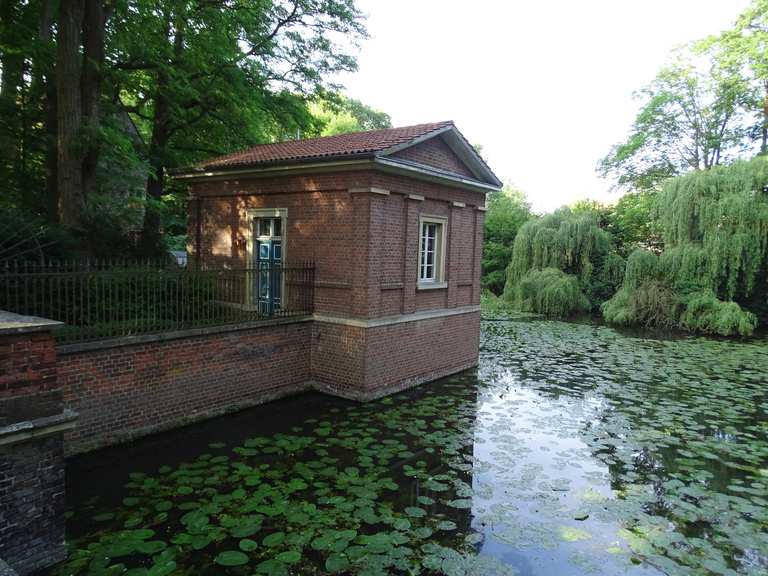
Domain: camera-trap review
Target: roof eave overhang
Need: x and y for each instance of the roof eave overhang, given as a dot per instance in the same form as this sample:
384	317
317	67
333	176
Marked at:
384	164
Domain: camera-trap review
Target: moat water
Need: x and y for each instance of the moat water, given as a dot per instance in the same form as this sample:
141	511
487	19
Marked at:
573	449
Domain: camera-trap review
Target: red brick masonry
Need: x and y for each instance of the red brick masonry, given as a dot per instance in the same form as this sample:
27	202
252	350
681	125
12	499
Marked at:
31	446
375	331
130	390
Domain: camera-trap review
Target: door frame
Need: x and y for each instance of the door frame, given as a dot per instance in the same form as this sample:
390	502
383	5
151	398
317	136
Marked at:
251	215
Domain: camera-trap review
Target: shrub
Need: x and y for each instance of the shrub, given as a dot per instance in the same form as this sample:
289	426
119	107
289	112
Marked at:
550	291
651	304
705	313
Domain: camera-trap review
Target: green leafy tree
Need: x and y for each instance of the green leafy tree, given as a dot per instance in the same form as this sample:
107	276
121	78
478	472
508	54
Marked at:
696	114
338	114
633	222
744	47
562	264
712	275
100	99
508	210
201	78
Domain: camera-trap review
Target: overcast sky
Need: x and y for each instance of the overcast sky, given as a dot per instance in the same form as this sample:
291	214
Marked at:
544	86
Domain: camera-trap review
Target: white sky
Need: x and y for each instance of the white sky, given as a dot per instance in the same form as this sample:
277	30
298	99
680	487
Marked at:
544	86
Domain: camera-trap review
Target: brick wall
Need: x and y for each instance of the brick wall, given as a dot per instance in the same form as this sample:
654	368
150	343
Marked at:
435	152
365	363
131	390
28	377
128	391
361	228
32	504
365	246
31	454
402	355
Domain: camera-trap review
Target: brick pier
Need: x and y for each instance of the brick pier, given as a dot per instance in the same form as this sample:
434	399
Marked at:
32	425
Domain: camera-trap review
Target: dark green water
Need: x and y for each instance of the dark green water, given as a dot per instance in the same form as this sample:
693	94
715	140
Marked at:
573	449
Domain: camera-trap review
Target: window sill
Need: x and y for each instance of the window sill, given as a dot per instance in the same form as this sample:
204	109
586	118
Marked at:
431	285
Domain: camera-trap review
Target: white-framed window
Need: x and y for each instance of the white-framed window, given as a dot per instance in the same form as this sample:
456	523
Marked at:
432	251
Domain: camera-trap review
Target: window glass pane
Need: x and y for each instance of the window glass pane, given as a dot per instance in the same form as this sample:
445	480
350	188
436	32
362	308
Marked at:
278	250
430	246
277	227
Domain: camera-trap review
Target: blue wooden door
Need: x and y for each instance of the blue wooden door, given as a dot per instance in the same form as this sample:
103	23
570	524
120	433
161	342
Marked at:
269	260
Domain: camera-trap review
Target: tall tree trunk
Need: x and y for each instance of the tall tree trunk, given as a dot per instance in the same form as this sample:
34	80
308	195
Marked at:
96	15
151	234
69	113
52	150
44	83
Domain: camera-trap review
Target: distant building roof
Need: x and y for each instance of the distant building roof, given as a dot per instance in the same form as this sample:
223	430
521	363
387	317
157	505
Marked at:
352	145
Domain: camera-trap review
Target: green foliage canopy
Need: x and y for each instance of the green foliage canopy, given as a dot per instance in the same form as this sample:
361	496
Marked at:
713	272
174	82
508	210
697	113
339	114
572	243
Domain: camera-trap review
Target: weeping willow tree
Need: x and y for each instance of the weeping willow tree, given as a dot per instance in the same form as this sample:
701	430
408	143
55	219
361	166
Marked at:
562	264
713	274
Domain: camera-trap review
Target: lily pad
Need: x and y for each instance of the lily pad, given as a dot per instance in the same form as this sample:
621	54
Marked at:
231	558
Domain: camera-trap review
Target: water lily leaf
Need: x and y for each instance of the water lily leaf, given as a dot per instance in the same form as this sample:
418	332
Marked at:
231	558
289	557
402	524
151	547
248	545
336	563
415	512
273	567
162	568
274	539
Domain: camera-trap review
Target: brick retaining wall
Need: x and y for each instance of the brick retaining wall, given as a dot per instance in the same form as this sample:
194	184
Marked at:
367	363
126	391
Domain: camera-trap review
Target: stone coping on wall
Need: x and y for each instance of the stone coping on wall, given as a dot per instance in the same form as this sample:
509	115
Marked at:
11	323
193	332
37	428
398	319
175	335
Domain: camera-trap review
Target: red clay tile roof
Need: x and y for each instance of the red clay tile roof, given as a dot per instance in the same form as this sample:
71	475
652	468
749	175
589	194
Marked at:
350	144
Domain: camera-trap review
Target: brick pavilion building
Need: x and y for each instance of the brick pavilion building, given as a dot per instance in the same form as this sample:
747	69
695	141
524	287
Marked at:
392	219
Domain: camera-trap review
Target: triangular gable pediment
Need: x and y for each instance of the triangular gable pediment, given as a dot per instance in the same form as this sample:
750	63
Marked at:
445	150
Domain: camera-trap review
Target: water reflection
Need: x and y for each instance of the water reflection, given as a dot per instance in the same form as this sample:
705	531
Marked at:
574	449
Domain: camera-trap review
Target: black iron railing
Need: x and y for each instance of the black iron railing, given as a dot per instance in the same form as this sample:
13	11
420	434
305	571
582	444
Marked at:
98	300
